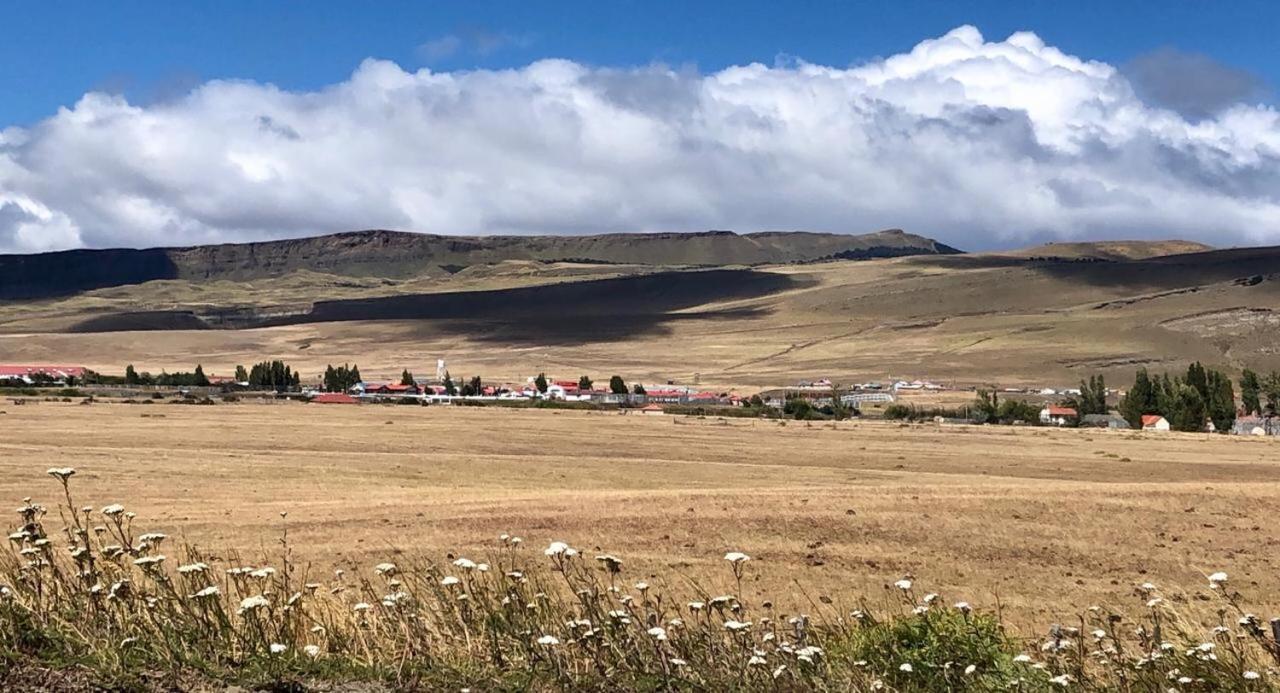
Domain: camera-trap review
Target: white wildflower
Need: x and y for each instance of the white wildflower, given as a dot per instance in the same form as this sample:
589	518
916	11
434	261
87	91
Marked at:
1217	579
252	603
113	509
449	581
549	640
312	651
278	648
903	584
736	557
906	668
210	591
63	473
191	568
559	548
385	569
658	633
465	564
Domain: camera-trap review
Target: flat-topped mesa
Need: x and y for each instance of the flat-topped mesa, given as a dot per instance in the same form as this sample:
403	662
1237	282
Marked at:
399	254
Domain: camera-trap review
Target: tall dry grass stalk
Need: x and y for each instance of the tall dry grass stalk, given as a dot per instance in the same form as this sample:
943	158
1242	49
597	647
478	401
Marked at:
123	608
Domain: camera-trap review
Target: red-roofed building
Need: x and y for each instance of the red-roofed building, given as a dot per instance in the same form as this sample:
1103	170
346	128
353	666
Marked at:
32	373
1058	416
1154	422
334	398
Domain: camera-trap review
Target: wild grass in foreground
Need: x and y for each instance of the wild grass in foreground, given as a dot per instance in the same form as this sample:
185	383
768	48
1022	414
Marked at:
99	601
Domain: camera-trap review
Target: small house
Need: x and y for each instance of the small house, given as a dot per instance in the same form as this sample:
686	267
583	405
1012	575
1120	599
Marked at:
1154	422
1057	416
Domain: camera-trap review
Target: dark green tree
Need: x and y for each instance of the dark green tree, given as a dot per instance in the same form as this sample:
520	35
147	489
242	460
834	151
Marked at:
449	388
241	374
130	375
406	378
1141	399
618	387
1271	391
1222	402
200	379
1250	388
1198	378
584	383
637	389
540	382
986	408
1093	396
1189	410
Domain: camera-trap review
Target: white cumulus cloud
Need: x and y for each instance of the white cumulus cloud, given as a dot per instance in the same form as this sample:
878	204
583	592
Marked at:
980	144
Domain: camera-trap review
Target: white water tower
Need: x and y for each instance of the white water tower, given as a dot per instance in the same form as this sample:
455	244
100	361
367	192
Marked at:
440	370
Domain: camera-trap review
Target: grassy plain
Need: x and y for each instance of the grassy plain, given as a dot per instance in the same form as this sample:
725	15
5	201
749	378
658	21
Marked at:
1047	522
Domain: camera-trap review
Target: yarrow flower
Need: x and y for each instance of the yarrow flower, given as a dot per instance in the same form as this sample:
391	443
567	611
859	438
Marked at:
113	509
736	557
559	548
465	564
278	648
449	581
906	668
658	633
737	626
1217	580
312	651
903	584
385	569
210	591
549	640
62	473
193	568
253	603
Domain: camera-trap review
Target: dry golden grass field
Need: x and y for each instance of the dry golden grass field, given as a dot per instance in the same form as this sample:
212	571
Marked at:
1046	521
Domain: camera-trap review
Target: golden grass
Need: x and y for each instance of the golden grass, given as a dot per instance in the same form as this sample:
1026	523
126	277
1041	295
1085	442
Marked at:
1047	521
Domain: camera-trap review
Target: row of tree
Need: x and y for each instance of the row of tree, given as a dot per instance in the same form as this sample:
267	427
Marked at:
1254	389
988	408
1187	402
195	378
341	379
274	375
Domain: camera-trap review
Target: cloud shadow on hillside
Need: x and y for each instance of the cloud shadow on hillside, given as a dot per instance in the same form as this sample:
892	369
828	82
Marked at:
555	314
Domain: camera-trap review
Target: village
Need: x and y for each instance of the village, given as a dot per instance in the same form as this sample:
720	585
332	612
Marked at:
893	399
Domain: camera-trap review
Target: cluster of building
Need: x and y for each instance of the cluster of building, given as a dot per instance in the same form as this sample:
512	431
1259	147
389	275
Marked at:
42	374
556	390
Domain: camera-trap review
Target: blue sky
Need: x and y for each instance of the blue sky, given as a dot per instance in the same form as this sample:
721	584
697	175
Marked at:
57	51
982	124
